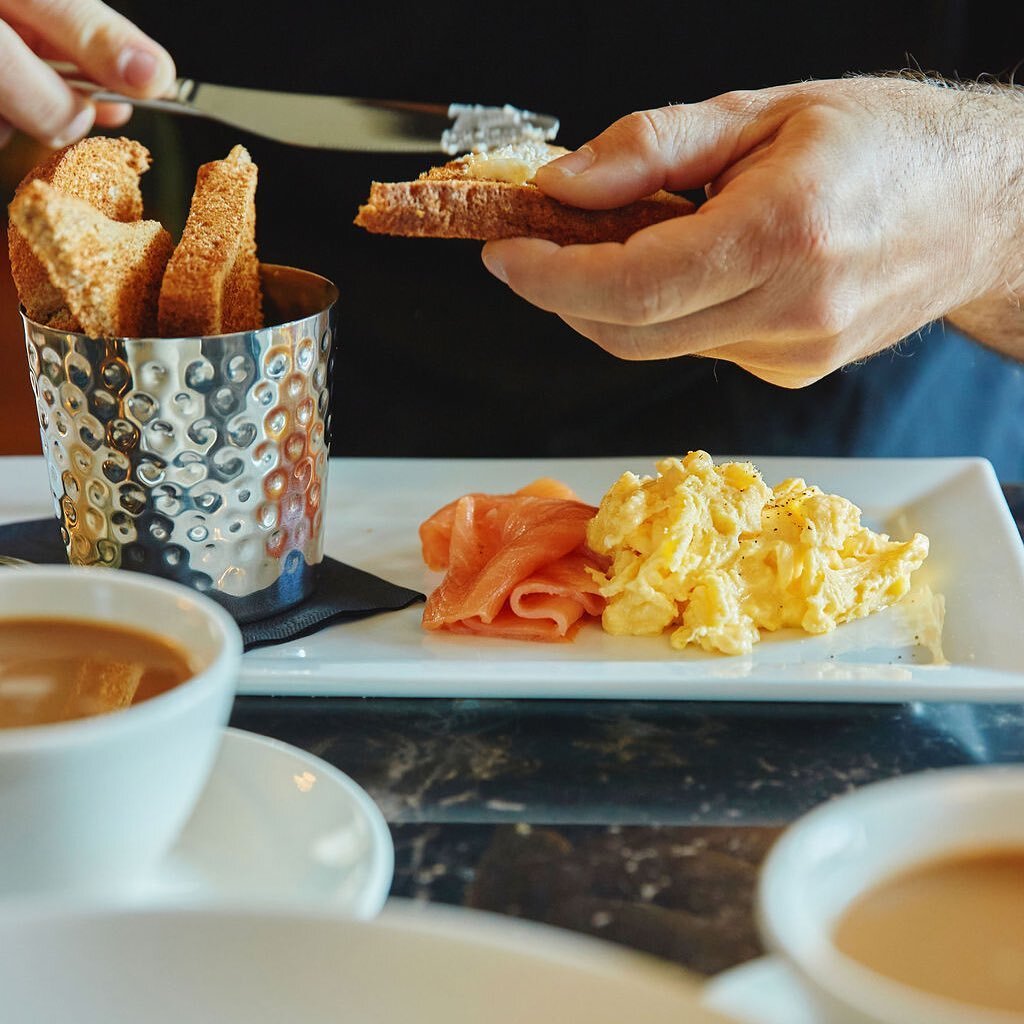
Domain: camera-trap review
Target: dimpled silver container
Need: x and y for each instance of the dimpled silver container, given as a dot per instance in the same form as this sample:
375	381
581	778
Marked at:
202	460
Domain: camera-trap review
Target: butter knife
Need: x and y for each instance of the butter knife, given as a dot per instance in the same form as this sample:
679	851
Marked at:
338	122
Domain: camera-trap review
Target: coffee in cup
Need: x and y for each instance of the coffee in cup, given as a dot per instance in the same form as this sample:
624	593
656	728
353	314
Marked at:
88	805
57	670
952	927
903	902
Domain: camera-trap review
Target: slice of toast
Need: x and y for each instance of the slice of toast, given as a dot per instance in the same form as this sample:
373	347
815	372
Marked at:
103	171
212	282
107	272
491	195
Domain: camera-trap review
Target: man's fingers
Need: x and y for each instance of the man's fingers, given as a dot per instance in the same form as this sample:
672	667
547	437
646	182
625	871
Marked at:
678	147
35	99
103	43
106	46
713	335
716	331
664	272
742	332
113	115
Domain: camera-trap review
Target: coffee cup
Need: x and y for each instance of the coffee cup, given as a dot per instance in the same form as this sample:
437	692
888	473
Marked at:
88	805
837	855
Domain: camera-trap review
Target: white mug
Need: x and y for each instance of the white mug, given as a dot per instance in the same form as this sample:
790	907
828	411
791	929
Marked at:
88	805
845	847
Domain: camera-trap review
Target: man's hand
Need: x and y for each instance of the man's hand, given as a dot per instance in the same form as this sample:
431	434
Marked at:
106	46
842	216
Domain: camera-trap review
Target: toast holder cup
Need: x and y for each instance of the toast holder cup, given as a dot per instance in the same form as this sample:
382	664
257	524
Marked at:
201	460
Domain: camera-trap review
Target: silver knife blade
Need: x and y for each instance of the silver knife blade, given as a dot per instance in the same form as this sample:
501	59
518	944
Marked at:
340	122
324	122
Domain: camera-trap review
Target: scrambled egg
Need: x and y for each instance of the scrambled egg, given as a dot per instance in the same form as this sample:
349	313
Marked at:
717	554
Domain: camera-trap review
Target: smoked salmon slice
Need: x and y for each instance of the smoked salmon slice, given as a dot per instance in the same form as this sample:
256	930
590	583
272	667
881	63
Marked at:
516	565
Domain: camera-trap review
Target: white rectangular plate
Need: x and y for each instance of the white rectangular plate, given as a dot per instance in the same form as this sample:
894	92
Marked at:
376	505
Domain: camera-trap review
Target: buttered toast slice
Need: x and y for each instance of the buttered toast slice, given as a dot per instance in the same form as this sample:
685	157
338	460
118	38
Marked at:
108	273
490	195
212	282
104	172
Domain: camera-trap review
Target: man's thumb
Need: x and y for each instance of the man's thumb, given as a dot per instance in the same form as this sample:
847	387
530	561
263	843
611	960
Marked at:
678	147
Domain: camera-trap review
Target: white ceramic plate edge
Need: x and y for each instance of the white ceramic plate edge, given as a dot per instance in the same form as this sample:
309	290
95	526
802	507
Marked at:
388	655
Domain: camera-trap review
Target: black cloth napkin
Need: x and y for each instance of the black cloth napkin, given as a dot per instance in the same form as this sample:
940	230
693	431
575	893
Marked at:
342	592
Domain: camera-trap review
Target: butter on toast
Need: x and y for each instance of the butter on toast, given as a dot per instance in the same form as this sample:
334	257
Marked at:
212	282
490	195
104	172
107	272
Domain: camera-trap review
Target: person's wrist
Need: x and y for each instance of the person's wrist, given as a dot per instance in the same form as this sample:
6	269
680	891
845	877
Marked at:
993	129
1010	157
982	126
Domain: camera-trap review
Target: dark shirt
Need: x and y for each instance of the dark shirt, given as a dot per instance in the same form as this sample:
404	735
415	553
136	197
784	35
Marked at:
435	357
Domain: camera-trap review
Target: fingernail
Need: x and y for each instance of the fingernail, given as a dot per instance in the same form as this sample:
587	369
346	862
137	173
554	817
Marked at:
77	127
574	163
496	267
137	68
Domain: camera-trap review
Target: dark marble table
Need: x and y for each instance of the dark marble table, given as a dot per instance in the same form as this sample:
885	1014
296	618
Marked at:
643	822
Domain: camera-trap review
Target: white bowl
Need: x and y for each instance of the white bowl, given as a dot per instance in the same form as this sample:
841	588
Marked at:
846	846
90	804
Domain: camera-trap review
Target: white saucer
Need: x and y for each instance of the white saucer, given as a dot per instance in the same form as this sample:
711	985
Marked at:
762	991
277	825
428	964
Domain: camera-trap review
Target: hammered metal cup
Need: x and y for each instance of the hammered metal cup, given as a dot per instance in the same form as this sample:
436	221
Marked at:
201	460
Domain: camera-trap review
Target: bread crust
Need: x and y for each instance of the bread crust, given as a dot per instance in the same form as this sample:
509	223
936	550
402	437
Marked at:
108	272
102	170
211	285
456	207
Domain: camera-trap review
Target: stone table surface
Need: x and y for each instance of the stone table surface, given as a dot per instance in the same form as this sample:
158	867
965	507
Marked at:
642	822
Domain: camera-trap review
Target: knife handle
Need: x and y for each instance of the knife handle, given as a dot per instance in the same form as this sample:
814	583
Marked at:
175	100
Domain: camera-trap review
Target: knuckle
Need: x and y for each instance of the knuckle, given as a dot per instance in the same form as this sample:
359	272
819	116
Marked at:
813	239
650	131
737	102
641	298
660	125
824	313
820	266
818	247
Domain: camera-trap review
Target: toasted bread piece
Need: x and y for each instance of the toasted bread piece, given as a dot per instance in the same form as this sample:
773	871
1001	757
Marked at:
108	273
103	171
99	686
488	196
212	283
